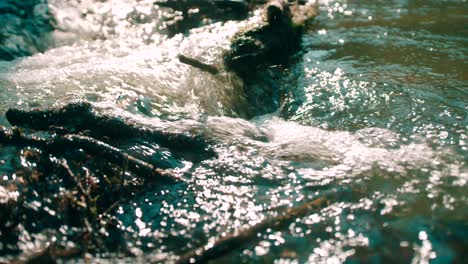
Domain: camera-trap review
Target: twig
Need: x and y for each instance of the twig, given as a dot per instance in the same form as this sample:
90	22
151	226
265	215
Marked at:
90	145
198	64
244	236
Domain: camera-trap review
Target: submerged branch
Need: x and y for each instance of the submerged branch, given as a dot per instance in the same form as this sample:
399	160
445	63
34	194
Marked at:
59	144
242	237
77	117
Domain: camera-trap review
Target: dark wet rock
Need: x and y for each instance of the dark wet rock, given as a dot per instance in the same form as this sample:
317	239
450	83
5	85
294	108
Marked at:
25	28
260	52
271	42
209	7
186	15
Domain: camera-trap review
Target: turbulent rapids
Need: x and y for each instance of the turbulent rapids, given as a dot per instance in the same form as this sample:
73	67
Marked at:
234	131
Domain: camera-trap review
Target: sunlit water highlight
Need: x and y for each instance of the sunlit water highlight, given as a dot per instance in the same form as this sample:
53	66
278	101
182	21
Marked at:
375	107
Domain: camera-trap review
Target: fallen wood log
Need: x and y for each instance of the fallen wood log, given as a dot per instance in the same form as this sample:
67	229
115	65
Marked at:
77	117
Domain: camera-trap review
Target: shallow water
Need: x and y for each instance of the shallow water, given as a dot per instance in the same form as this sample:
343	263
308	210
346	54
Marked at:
374	108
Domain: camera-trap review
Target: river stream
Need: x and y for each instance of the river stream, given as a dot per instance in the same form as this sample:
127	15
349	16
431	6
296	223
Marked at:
373	107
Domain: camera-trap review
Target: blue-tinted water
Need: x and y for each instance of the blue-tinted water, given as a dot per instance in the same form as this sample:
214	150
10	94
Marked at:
374	107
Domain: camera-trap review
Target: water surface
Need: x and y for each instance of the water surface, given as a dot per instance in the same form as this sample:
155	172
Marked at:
373	107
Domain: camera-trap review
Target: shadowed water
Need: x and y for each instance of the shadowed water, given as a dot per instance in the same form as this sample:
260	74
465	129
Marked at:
373	107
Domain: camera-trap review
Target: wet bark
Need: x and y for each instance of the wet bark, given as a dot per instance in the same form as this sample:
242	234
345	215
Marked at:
59	144
80	117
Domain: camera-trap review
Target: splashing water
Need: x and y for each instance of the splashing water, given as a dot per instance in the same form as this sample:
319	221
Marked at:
374	106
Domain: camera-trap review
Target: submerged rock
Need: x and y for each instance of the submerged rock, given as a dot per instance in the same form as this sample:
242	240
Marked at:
271	41
25	28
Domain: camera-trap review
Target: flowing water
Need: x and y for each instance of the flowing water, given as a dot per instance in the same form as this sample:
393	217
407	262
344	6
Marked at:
374	107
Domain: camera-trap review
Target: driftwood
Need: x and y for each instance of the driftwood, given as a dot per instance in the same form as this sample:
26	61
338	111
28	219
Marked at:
78	117
58	144
244	236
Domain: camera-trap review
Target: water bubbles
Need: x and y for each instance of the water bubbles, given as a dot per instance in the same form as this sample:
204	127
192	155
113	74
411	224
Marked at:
262	248
138	213
361	117
322	32
424	252
389	202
